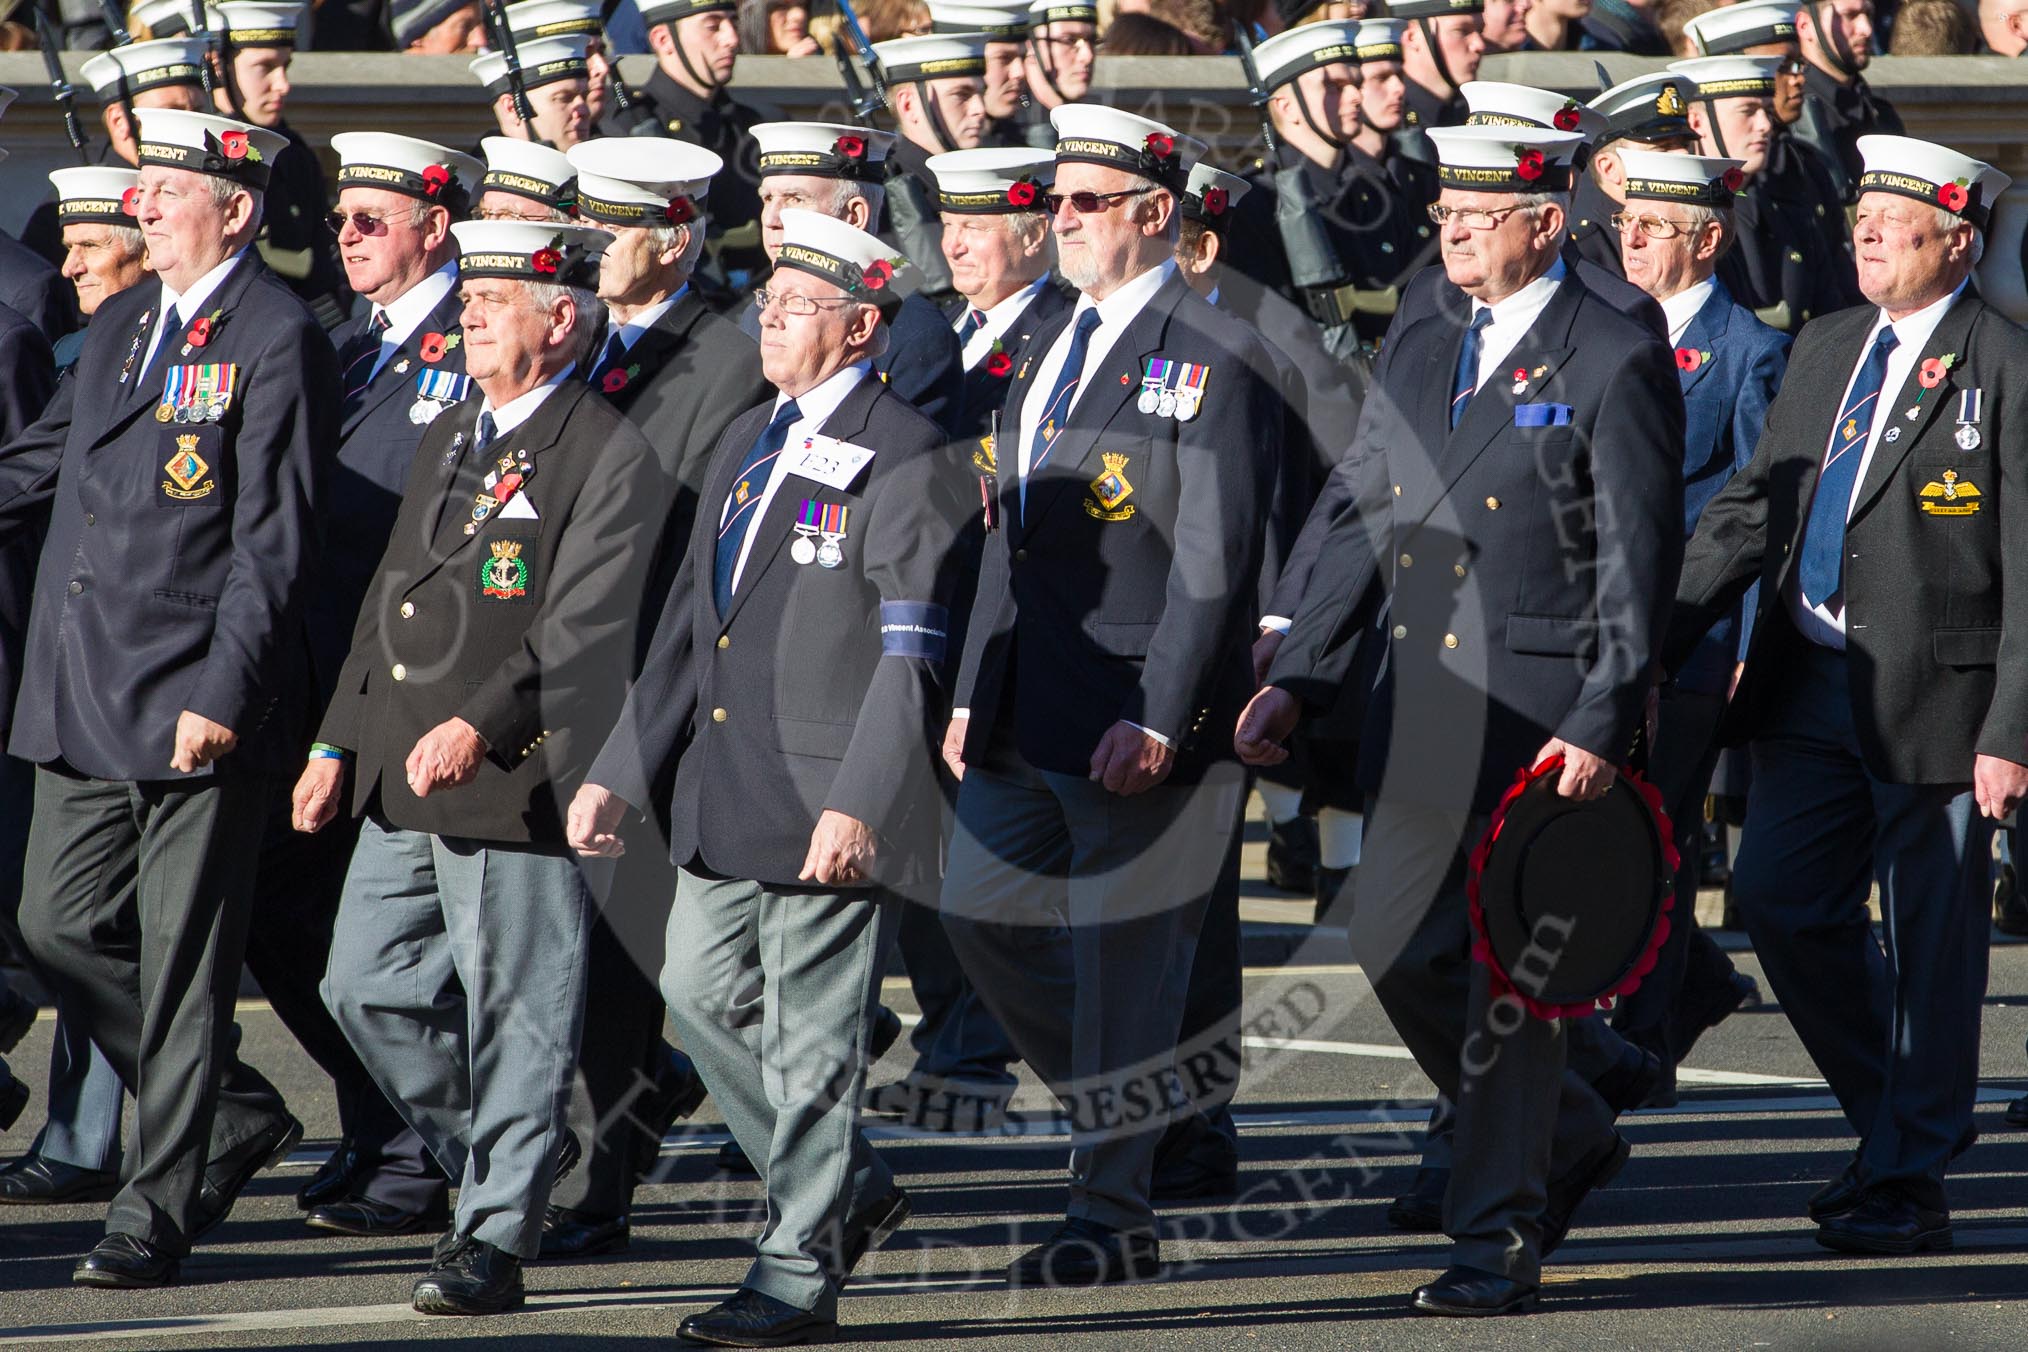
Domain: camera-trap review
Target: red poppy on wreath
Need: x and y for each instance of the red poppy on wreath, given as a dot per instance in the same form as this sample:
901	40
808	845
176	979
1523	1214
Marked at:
1689	358
1735	179
199	332
546	261
435	178
1527	164
1161	145
850	146
679	211
998	363
1215	201
617	379
1931	373
1952	196
1567	118
1021	193
130	200
232	145
877	274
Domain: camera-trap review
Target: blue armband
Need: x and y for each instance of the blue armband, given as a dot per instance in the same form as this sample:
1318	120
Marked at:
913	629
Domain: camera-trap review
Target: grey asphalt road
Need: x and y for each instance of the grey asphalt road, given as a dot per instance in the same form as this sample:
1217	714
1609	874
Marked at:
1700	1244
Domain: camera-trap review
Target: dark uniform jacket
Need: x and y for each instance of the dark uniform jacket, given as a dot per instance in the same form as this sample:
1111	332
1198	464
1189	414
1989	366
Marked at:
524	628
1790	262
821	687
911	223
34	289
1128	591
179	553
924	362
1834	117
295	239
27	379
1426	109
1525	559
1936	598
986	384
1591	227
722	125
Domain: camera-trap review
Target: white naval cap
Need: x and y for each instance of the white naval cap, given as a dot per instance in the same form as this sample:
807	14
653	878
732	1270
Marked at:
1380	39
205	143
1042	12
1730	77
1931	173
555	19
141	66
823	150
1295	53
861	265
530	251
1091	133
670	11
102	194
1495	103
936	56
543	61
403	164
173	18
1664	176
1212	194
1734	28
1504	159
992	180
1000	23
259	23
1653	108
529	169
642	180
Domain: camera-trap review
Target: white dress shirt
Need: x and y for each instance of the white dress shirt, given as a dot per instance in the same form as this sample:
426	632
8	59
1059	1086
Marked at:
998	320
1513	316
1816	621
521	407
189	305
812	409
406	312
1679	309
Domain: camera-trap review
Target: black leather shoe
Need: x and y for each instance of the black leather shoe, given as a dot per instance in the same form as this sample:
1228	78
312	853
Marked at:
1596	1170
17	1016
2010	908
751	1319
1468	1292
678	1092
1838	1196
567	1156
1335	887
1085	1253
333	1180
2017	1112
124	1263
1185	1177
870	1227
13	1097
369	1219
579	1234
1636	1075
34	1180
475	1278
732	1160
227	1176
1884	1222
1292	855
1420	1210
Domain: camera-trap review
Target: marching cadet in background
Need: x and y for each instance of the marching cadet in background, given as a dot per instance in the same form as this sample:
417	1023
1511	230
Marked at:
1675	222
160	717
1790	263
490	656
1140	447
1648	113
840	170
1447	492
255	42
555	75
401	366
534	19
935	91
29	283
1440	50
1383	112
792	692
76	1155
1885	539
525	182
680	374
1837	42
1056	68
1005	26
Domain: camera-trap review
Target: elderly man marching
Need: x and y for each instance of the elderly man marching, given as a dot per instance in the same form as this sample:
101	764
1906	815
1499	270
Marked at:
1877	515
489	656
791	693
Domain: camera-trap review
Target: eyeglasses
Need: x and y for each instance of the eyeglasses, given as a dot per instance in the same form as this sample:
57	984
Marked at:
1471	217
1654	227
796	303
1085	203
529	213
1087	43
365	222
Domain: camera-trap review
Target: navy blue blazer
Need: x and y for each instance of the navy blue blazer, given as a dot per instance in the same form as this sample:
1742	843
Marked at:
27	378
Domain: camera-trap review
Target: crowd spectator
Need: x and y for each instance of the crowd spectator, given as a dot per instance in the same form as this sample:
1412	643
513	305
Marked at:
1933	28
1136	34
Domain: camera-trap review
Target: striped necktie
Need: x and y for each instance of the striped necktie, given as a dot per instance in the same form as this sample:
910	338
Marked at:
1057	409
1821	569
740	509
1466	383
359	371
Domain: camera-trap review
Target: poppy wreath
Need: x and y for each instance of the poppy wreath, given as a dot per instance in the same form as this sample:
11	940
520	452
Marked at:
1527	163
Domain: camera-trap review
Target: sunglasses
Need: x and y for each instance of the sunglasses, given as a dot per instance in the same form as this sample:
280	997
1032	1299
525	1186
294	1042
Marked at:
1086	203
365	222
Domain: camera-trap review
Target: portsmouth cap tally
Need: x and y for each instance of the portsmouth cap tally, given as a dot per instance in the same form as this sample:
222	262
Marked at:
823	150
1505	159
1044	12
1434	9
141	66
403	164
1701	180
1931	173
937	56
1730	77
100	194
861	265
1738	28
1297	52
543	61
1654	108
642	180
1380	39
1211	195
530	251
257	23
527	169
1091	133
1000	23
555	19
992	180
1493	103
205	143
670	11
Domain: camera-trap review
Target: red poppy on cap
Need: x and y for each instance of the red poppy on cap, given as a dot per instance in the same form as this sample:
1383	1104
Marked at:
130	200
878	274
1021	193
850	146
1735	179
1952	196
232	145
679	211
1215	201
435	177
546	260
1161	145
1567	118
1528	165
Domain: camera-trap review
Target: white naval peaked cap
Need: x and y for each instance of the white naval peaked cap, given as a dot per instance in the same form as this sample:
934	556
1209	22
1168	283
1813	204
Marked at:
530	251
1000	23
642	180
934	56
1212	194
1734	28
992	180
861	265
1495	103
1091	133
1931	173
1380	39
1504	159
97	193
1730	77
140	66
173	18
529	169
259	23
1298	51
1662	176
205	143
543	61
407	165
823	150
1062	11
554	19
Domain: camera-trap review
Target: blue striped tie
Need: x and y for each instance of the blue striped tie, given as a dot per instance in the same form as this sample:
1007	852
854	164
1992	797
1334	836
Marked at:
744	504
1065	390
1821	569
1466	382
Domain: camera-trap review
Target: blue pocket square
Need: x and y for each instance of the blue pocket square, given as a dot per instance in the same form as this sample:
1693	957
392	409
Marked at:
1542	415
